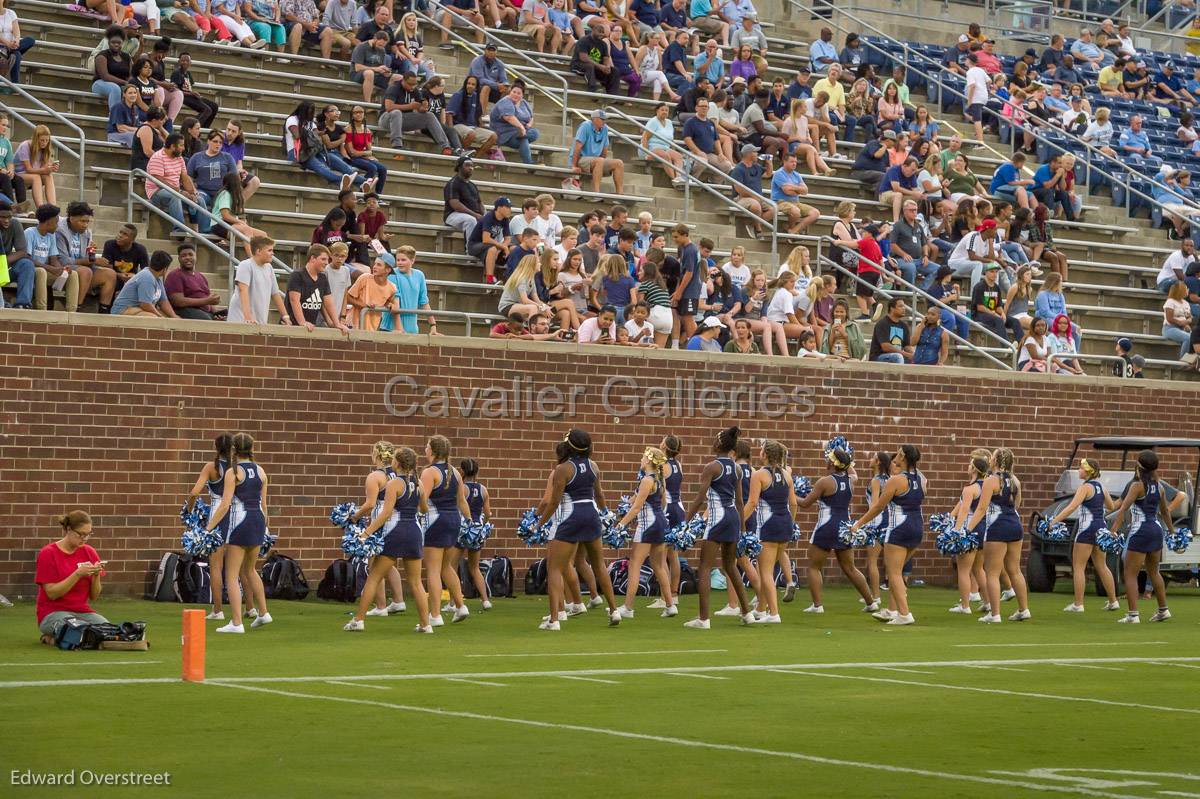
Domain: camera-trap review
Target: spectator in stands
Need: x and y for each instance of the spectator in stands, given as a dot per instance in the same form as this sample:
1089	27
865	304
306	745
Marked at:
750	33
987	304
36	165
374	18
192	144
408	48
601	329
492	76
302	19
700	136
1177	318
309	298
230	12
1169	88
370	64
208	168
1085	50
68	575
1008	184
488	241
1135	80
706	336
975	251
125	254
1061	343
520	294
708	19
822	53
909	241
112	67
359	152
675	62
835	97
452	11
462	208
463	113
145	294
900	183
11	38
709	64
373	290
591	151
204	14
20	267
648	62
1166	191
787	187
890	110
411	293
12	185
657	139
534	22
77	251
304	147
206	110
593	59
512	122
167	94
930	341
229	206
168	168
976	92
123	119
338	17
187	289
889	341
1099	133
41	246
748	175
256	288
1176	266
1135	142
860	110
1049	186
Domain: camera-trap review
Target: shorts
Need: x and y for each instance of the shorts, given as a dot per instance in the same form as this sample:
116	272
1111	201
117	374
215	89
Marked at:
1005	193
723	526
1148	538
710	25
531	29
442	529
687	306
476	135
975	112
580	526
863	289
311	38
403	542
784	206
749	202
661	318
588	162
479	250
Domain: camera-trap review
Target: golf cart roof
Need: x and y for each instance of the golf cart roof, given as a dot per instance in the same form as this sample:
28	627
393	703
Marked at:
1127	443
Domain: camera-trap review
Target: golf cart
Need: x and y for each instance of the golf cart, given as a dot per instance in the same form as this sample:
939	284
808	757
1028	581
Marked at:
1048	558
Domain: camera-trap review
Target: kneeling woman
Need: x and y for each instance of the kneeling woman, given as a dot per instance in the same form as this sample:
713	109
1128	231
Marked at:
999	502
1145	502
1091	500
648	509
833	493
901	496
397	517
573	496
772	505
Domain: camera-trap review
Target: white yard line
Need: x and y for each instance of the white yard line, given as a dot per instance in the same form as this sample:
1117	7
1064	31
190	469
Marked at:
996	668
601	654
474	682
359	685
1177	665
697	676
1093	643
909	671
588	679
694	744
1087	666
75	663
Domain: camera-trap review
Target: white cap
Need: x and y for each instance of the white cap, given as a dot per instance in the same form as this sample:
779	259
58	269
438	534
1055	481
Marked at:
712	321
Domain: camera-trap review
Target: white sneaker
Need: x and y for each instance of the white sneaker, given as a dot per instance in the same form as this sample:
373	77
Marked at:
669	612
871	608
1128	618
614	618
436	621
252	613
231	628
885	614
626	613
377	612
768	618
815	609
460	614
1112	605
262	620
789	592
990	618
657	604
552	626
446	608
219	616
697	624
428	628
1021	615
595	602
728	611
1161	615
961	609
354	626
1073	608
985	608
974	596
562	616
487	605
901	620
573	610
397	607
1007	594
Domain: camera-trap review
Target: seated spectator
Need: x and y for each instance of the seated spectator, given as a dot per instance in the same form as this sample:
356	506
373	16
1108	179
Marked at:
408	49
900	183
889	341
1085	50
1135	142
787	187
370	64
112	67
255	287
534	22
835	94
748	175
548	225
1177	318
600	329
750	34
12	185
167	168
676	63
187	288
453	11
842	339
208	168
707	335
125	255
189	128
304	147
124	119
1169	88
987	304
512	122
77	252
1176	266
1008	184
1167	192
1075	119
406	109
230	207
488	240
780	312
144	294
463	114
974	252
767	135
10	37
1049	187
492	76
987	59
302	19
930	341
20	266
1062	343
462	207
36	164
1033	352
700	136
67	574
520	294
372	291
706	18
592	59
229	12
798	89
657	139
372	220
1099	133
338	17
591	150
41	247
708	64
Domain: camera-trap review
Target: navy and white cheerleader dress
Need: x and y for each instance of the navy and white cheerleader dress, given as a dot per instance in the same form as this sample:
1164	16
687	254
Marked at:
1003	523
247	524
674	485
832	510
377	505
1145	531
444	515
474	500
402	535
216	488
1090	519
977	532
651	518
905	523
723	525
576	519
772	513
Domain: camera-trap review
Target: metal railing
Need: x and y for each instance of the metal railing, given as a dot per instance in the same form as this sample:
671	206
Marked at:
80	156
476	49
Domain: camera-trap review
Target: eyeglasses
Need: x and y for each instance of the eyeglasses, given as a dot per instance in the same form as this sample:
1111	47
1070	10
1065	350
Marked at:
81	535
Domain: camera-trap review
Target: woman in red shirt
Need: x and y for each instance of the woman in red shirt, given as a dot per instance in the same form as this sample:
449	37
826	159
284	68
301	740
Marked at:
68	577
357	146
870	257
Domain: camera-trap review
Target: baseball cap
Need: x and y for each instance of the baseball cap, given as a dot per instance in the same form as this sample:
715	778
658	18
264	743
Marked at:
503	201
987	224
963	39
1031	52
1124	343
599	113
387	258
871	228
712	321
990	266
942	272
889	134
489	46
1168	65
1138	361
738	80
747	149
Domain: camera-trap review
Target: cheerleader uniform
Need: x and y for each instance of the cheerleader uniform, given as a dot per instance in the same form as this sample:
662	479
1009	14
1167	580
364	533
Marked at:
905	524
388	474
832	510
723	526
651	519
773	514
474	500
402	534
1091	515
576	520
247	524
1145	531
1003	523
216	488
444	516
978	531
673	486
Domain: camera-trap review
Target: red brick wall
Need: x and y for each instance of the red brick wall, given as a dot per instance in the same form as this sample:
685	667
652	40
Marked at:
118	419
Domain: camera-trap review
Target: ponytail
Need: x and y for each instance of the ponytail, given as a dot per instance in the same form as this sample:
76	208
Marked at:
221	446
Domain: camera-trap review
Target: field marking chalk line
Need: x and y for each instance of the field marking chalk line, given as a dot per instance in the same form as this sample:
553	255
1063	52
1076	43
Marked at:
80	663
589	679
601	654
1092	643
359	685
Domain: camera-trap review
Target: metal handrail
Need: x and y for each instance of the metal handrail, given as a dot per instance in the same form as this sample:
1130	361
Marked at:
465	316
909	54
689	178
80	156
473	47
154	209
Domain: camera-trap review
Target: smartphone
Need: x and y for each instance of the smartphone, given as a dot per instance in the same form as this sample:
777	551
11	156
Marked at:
377	246
568	334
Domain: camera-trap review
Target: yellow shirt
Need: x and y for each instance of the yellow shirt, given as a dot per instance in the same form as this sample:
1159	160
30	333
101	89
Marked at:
1194	46
837	94
1109	79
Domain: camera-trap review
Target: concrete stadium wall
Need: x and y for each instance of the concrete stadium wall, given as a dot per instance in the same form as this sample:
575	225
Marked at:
117	417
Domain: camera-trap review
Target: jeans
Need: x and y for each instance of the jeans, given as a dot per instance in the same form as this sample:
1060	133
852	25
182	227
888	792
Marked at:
194	313
1181	337
26	43
109	91
1053	197
956	323
203	221
853	123
678	83
519	143
908	269
1014	252
890	357
22	273
165	201
329	166
269	32
1164	285
999	325
374	169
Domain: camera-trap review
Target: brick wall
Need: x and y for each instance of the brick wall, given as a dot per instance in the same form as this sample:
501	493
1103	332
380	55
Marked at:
118	419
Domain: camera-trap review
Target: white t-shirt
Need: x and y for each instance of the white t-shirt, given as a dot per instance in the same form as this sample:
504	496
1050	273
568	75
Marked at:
1174	261
260	284
740	276
518	223
780	306
1097	133
928	177
289	140
972	242
640	334
549	229
977	86
339	281
801	304
7	20
1183	311
589	331
803	353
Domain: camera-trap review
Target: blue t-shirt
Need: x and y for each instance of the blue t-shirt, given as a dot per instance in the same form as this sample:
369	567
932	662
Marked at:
1174	83
489	222
1005	174
40	248
144	287
703	133
798	91
616	292
646	12
595	142
670	16
674	53
750	176
689	261
412	293
1042	176
700	8
783	178
208	171
124	115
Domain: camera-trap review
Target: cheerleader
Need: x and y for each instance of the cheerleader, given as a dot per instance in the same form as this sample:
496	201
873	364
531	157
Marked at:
570	503
397	517
772	504
999	502
1144	500
212	480
741	456
244	500
881	466
1091	501
447	499
721	494
382	455
479	503
673	485
970	564
833	493
901	496
648	509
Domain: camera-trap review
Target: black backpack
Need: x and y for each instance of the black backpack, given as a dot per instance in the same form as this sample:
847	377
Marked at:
283	578
499	576
163	583
535	578
193	582
333	584
688	584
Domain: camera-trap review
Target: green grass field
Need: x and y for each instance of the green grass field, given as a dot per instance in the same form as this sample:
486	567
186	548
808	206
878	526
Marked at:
821	706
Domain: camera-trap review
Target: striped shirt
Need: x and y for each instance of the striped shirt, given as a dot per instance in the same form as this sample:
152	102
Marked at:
166	169
654	294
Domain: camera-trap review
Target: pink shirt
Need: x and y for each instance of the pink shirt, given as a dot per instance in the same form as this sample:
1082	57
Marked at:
166	169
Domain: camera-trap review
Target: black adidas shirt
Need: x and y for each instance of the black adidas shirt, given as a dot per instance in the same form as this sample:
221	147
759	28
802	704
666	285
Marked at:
312	294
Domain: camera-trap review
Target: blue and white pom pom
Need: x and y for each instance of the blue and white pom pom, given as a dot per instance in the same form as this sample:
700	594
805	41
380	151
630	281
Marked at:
875	534
198	515
797	532
1179	540
472	535
683	535
847	536
616	536
341	513
749	545
1056	532
529	531
939	522
1110	542
954	541
802	485
837	442
268	542
356	547
199	542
